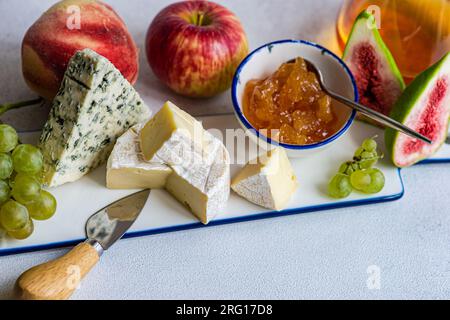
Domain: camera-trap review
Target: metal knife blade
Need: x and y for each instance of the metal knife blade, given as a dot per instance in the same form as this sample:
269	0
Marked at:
110	223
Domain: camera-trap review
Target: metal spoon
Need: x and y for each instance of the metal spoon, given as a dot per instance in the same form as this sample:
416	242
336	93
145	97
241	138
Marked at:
389	122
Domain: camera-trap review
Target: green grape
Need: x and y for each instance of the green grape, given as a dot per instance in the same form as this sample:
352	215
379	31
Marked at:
37	177
359	152
340	187
6	166
355	166
344	167
377	181
358	174
27	159
349	167
23	233
5	192
368	181
360	180
14	216
44	207
368	163
369	159
369	155
370	145
8	138
25	188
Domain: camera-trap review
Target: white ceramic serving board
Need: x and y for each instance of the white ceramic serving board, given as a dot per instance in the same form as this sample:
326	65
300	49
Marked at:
77	201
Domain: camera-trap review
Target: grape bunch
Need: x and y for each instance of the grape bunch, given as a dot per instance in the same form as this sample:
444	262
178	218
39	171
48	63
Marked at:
21	197
359	174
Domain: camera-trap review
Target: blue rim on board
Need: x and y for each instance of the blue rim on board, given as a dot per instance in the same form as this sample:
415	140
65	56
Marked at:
248	125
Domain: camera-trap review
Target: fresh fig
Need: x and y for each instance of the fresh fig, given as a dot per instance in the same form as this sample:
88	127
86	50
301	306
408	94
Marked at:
377	76
424	107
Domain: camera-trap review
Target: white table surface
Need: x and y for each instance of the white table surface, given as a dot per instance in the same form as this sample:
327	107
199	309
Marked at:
318	255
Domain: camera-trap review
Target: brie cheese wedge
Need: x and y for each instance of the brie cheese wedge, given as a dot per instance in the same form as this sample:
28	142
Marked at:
176	137
200	162
126	168
204	192
268	181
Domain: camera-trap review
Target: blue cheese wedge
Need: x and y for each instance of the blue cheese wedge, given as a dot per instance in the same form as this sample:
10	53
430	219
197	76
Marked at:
268	181
94	106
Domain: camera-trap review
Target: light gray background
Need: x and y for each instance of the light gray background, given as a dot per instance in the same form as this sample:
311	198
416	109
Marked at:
317	255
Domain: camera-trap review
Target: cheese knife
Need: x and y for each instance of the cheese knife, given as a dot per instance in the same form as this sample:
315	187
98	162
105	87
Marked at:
58	279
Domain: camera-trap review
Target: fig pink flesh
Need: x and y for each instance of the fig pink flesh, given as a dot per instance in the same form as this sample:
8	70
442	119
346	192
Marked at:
368	78
429	123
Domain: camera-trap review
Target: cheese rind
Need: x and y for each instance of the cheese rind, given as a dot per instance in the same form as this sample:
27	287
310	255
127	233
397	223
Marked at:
126	168
207	194
94	106
268	181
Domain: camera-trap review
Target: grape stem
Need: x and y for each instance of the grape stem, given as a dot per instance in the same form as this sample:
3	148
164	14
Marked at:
9	106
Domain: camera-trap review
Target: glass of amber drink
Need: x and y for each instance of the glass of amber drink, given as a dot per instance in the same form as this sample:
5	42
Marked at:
416	31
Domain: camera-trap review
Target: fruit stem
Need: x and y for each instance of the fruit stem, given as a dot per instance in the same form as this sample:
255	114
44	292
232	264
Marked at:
200	18
9	106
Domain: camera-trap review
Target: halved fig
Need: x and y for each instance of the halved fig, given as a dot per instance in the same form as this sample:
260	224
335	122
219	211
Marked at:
424	107
377	76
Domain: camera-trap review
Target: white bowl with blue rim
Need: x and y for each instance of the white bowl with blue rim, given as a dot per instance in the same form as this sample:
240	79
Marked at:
265	60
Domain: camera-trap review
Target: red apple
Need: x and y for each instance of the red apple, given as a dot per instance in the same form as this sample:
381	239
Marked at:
195	47
49	43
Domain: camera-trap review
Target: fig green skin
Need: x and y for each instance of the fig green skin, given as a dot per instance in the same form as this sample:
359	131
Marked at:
406	104
382	48
391	74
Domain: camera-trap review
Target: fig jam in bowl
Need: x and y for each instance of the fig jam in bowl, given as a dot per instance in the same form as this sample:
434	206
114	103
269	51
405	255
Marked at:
281	104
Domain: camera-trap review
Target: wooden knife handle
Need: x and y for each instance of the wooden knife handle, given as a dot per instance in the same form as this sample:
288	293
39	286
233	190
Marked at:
57	279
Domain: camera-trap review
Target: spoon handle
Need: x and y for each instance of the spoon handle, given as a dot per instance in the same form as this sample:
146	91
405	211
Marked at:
389	122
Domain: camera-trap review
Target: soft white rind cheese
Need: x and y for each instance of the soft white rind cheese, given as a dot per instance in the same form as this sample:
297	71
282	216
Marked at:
200	162
126	168
268	181
204	189
94	106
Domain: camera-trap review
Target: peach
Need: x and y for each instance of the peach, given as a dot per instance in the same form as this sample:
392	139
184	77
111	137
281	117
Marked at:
52	40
